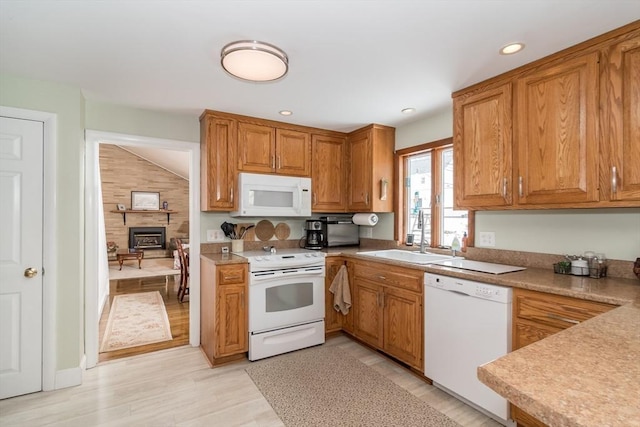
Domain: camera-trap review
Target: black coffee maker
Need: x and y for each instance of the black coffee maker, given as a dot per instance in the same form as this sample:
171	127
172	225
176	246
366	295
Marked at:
314	239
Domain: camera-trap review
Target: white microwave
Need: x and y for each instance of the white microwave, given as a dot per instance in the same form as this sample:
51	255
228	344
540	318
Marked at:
261	195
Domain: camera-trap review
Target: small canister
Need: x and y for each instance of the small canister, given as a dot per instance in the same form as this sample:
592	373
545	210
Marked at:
580	267
594	267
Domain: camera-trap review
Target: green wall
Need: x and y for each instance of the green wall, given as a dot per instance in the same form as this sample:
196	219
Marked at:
74	116
137	121
68	103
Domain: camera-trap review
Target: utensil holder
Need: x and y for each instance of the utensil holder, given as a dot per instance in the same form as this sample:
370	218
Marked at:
237	245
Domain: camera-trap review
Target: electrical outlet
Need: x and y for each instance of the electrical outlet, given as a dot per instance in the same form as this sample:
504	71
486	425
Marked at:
225	249
487	239
215	236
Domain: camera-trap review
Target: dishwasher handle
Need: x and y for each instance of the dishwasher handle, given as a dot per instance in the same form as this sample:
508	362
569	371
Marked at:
464	294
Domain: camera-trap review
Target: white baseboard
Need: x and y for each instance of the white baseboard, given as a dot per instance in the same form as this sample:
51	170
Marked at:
70	377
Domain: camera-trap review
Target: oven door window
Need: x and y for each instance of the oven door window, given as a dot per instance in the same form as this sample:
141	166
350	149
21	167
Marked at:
288	297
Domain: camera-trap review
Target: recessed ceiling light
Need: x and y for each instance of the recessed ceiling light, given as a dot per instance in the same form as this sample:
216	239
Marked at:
511	48
286	112
408	110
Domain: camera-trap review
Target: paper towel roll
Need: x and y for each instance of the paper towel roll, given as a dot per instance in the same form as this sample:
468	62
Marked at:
369	219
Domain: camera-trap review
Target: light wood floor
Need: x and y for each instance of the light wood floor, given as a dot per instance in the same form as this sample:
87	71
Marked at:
176	387
177	312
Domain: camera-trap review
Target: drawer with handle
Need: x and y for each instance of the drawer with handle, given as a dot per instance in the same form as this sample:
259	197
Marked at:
232	274
555	310
385	274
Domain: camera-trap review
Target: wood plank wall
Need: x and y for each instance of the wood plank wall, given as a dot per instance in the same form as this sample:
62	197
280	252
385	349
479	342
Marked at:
122	172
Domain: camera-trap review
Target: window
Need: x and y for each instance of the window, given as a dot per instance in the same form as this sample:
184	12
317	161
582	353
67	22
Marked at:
427	200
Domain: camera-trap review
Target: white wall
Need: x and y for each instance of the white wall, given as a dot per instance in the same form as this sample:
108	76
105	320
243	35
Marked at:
616	232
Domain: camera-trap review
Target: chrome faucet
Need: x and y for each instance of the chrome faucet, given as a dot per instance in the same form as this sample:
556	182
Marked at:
423	243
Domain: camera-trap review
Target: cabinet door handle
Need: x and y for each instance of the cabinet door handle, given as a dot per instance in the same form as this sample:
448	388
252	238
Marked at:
231	193
242	299
382	295
520	186
382	278
315	199
563	319
614	179
504	188
273	162
378	299
366	198
279	163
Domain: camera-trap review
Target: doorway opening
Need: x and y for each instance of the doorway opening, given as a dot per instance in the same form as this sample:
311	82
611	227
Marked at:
99	290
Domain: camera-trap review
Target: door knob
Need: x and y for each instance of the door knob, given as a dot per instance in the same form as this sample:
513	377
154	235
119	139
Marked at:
30	272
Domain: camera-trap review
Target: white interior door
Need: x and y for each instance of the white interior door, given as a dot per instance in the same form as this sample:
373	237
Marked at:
21	255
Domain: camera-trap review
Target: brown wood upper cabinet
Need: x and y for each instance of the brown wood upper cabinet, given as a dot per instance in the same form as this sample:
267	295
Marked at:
217	162
620	120
265	149
561	132
370	169
557	144
482	147
328	177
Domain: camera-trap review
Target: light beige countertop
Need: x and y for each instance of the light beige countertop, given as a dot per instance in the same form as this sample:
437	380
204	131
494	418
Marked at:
587	375
222	259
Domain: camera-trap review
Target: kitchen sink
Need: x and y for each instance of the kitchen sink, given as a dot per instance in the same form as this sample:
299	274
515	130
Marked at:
407	256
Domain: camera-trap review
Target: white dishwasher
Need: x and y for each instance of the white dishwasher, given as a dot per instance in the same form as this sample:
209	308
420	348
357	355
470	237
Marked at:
466	324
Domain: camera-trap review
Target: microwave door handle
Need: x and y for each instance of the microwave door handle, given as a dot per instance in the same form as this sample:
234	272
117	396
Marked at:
299	198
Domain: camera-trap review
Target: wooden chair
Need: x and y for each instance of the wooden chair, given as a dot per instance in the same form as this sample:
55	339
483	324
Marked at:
184	271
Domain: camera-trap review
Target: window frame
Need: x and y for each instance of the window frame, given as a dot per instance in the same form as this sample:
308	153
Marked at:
400	226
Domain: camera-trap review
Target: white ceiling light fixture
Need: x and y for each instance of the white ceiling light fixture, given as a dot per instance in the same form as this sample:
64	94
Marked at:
254	61
286	112
511	48
408	110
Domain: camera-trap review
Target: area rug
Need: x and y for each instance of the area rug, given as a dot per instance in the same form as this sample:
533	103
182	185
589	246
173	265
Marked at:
325	386
136	319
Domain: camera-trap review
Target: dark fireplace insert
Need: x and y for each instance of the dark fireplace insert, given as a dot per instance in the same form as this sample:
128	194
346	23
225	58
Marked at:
147	237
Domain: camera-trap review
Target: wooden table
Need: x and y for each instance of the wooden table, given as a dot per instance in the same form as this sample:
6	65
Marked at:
130	254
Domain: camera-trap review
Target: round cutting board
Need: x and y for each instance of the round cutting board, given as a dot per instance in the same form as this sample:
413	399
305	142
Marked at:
282	231
264	230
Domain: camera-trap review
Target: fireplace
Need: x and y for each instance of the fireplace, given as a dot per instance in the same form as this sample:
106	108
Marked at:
147	237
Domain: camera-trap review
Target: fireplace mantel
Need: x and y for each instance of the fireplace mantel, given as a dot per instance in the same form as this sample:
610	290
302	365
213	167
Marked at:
126	211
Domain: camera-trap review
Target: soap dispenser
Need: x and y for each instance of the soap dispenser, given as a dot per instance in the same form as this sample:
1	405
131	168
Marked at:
455	245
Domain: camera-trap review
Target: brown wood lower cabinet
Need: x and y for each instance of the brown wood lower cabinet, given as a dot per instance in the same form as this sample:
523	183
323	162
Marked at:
388	310
536	315
224	332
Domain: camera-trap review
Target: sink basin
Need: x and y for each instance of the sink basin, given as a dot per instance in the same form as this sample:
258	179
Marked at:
407	256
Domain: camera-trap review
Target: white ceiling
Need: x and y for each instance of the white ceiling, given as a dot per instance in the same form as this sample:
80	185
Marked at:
352	62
